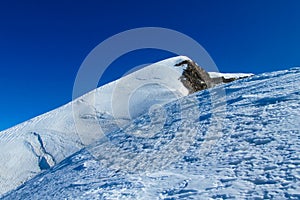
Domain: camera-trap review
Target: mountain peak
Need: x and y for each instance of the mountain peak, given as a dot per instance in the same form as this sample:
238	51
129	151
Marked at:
39	143
248	150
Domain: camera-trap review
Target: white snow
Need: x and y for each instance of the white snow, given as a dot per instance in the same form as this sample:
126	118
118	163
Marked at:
42	142
160	154
57	134
229	75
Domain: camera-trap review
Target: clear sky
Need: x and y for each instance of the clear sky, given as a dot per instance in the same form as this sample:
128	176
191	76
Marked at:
43	43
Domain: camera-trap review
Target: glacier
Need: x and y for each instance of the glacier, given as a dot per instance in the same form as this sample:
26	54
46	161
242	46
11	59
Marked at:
241	145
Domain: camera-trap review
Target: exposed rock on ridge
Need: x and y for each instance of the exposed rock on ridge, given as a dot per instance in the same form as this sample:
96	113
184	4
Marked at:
195	78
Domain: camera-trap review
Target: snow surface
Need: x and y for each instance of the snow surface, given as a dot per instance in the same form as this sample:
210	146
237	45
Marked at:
229	75
192	148
40	143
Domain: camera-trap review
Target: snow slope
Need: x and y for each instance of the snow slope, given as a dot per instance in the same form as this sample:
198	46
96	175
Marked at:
245	145
40	143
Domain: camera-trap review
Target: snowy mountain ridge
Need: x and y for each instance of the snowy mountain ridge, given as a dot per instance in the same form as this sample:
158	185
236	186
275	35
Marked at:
254	154
42	142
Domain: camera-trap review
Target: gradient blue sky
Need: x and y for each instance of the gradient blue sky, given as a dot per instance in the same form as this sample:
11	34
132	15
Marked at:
43	43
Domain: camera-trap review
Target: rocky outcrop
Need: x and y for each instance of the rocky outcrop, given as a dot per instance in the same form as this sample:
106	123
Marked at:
195	78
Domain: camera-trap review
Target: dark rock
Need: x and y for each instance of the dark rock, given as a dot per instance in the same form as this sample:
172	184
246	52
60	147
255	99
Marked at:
195	78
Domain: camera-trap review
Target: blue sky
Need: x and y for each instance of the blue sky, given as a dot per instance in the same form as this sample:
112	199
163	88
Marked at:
43	43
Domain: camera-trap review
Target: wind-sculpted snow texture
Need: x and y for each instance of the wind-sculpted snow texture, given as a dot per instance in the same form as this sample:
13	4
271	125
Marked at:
40	143
254	154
